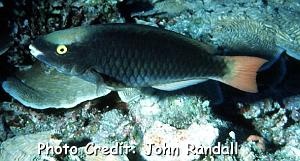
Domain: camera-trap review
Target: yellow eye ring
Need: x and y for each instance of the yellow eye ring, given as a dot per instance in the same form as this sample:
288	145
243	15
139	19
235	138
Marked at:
61	49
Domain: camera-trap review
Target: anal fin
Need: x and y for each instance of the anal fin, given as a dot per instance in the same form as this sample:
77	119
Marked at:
178	85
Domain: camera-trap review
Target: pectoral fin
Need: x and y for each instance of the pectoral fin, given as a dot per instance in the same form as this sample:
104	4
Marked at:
104	84
101	88
101	79
178	85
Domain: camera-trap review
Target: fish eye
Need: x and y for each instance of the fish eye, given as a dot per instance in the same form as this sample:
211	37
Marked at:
61	49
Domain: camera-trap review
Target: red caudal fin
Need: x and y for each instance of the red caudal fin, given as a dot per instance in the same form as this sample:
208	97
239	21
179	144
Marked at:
243	71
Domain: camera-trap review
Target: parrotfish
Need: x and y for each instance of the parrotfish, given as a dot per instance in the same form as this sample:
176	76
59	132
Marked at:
135	56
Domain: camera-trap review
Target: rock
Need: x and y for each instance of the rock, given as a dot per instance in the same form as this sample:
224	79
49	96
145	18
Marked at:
23	148
178	141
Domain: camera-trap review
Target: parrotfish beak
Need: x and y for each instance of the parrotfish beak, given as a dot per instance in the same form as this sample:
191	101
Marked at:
35	52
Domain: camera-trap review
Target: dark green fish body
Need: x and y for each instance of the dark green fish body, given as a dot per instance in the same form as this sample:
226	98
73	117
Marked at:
151	57
134	56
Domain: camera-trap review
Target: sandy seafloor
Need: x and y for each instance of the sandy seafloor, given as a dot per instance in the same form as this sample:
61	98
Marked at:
264	126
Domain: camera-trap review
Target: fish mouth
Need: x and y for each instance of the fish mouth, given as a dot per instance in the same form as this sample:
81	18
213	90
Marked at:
35	52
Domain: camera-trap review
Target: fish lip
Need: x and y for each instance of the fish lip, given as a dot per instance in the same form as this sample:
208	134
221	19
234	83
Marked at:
34	51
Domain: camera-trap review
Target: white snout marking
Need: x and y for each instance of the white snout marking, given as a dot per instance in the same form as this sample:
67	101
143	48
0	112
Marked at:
34	51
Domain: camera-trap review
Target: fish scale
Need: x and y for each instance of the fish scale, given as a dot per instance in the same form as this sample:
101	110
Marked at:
143	56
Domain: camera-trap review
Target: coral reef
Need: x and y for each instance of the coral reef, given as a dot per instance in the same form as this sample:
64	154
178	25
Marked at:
40	88
27	148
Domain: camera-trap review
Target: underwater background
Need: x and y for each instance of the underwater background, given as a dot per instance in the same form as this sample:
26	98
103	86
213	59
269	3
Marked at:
41	105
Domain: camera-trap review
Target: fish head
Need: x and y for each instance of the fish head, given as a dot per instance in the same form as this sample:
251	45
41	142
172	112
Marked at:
66	50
